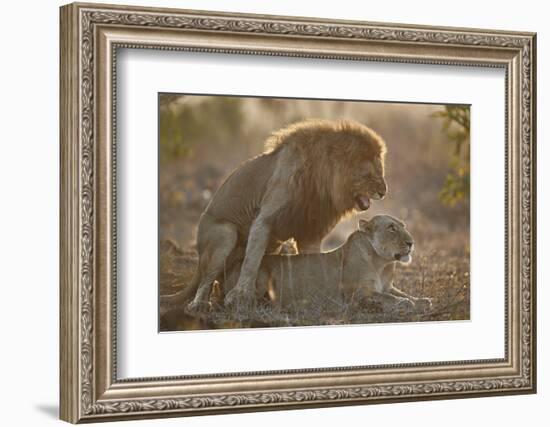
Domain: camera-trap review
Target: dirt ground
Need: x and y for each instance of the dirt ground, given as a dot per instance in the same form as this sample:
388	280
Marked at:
441	275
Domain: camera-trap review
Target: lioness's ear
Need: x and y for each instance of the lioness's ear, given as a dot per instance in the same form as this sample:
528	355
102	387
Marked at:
364	225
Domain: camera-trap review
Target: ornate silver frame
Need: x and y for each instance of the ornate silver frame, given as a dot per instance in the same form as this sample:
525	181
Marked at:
90	36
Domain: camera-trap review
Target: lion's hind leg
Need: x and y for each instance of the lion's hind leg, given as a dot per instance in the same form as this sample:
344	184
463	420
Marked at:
212	262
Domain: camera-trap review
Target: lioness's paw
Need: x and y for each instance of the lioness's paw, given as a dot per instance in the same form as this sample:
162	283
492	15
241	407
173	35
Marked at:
423	304
405	304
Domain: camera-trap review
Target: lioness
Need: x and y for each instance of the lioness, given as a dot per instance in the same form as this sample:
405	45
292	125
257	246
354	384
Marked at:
311	175
352	272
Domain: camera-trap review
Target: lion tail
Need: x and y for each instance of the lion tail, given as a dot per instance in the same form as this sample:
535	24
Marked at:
184	296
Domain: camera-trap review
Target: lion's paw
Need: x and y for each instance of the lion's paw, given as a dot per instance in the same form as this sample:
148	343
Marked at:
240	302
405	304
423	304
198	307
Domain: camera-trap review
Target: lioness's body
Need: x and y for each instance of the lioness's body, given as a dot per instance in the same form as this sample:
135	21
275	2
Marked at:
353	271
294	280
312	174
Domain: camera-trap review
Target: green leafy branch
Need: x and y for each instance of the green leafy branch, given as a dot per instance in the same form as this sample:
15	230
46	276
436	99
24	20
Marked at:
183	126
456	124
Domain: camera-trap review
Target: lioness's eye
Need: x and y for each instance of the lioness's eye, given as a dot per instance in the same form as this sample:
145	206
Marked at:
391	227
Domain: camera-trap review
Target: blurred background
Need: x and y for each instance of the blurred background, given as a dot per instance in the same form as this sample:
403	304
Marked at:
203	138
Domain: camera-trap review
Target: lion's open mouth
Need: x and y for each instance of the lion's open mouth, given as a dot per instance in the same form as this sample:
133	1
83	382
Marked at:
362	202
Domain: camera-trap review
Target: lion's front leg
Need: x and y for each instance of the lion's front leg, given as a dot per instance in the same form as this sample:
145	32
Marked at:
398	301
419	303
387	276
387	300
400	296
242	298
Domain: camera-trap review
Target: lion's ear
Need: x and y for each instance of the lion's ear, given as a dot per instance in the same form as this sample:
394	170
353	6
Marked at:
364	225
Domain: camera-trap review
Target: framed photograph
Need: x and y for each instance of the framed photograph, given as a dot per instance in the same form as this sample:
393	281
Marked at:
265	212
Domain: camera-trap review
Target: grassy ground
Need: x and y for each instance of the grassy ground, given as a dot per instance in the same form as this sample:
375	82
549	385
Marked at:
437	273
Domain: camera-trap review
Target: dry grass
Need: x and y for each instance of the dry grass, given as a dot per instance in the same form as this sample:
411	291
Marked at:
441	275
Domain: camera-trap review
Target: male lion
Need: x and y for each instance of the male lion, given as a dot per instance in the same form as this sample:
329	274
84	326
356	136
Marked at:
352	273
311	175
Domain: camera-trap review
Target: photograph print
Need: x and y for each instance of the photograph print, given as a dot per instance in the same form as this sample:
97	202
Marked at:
284	212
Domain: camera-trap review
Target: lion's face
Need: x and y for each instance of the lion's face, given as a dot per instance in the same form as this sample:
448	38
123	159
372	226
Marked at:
368	183
389	237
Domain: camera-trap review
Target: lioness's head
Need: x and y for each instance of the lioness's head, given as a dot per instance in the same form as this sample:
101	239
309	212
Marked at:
389	237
